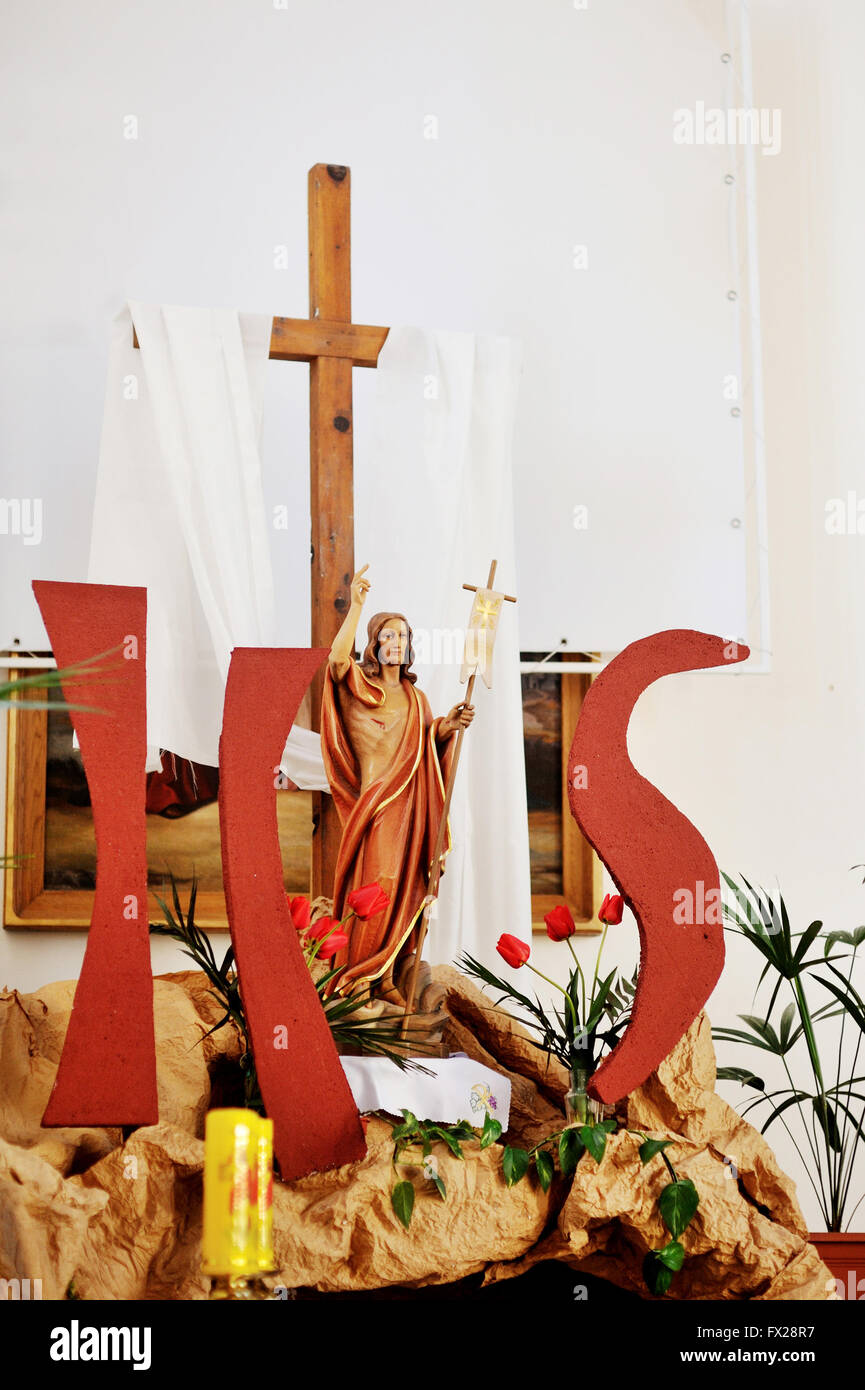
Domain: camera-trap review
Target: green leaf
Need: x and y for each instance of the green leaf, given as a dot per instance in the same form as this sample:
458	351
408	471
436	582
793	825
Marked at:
447	1137
786	1024
827	1122
545	1168
834	937
742	1074
652	1147
678	1202
658	1276
571	1148
763	1028
440	1187
672	1255
402	1201
409	1126
491	1132
515	1165
805	940
595	1139
847	996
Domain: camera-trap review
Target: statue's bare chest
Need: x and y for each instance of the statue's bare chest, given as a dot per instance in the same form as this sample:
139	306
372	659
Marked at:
376	731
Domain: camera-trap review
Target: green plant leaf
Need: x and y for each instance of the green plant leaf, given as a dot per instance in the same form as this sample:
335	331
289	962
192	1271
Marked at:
595	1139
652	1147
571	1148
834	937
440	1187
763	1028
464	1129
827	1122
491	1132
742	1074
672	1255
402	1201
447	1137
805	940
778	1110
677	1203
545	1168
785	1025
515	1165
658	1276
408	1127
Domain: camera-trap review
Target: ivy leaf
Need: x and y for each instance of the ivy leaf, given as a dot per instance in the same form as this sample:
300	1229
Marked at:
545	1168
672	1255
447	1138
678	1202
595	1139
492	1131
402	1201
463	1130
658	1276
440	1187
515	1165
571	1149
652	1147
409	1126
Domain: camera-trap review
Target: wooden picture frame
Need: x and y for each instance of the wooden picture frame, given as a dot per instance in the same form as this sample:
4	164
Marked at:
581	868
27	901
29	904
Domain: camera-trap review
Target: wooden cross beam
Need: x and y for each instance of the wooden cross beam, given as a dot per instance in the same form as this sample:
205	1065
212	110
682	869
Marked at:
332	345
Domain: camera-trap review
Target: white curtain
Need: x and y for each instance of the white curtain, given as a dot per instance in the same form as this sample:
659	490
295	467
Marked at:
179	508
433	507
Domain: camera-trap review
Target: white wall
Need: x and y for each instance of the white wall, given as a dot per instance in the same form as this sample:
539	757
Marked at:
769	767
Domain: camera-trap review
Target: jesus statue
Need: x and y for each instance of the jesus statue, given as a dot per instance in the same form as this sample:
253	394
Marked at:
387	761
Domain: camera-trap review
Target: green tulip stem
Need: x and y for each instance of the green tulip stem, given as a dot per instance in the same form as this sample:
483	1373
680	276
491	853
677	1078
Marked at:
598	960
580	976
559	988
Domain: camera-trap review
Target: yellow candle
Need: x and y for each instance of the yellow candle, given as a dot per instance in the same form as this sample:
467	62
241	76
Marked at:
266	1262
230	1172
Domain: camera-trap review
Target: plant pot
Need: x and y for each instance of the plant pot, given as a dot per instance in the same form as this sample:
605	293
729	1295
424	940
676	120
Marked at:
844	1253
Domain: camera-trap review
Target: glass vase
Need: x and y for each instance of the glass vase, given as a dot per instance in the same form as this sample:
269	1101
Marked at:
580	1107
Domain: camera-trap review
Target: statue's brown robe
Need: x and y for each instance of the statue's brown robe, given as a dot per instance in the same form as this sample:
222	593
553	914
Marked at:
389	830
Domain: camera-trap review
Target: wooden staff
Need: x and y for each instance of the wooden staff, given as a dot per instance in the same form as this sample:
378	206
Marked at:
435	873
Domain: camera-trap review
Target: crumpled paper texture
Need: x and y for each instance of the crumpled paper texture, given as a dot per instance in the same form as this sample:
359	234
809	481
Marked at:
123	1218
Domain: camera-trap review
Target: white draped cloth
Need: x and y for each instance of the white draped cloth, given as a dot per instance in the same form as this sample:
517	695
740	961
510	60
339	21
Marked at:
180	509
433	507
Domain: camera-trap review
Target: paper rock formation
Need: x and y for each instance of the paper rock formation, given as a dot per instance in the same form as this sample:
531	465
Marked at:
123	1220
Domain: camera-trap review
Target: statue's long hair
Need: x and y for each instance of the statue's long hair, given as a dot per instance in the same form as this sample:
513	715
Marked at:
369	662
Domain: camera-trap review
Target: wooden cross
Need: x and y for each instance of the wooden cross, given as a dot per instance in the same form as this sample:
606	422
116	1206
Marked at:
332	345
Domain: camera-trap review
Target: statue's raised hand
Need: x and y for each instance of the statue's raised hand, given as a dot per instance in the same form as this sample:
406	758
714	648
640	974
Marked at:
359	587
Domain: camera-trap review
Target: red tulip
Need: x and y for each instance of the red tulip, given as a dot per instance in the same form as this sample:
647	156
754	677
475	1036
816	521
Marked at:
332	944
611	909
560	923
514	951
367	901
299	908
319	930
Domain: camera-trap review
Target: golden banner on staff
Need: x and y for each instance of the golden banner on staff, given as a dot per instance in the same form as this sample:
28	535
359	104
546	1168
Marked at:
481	635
